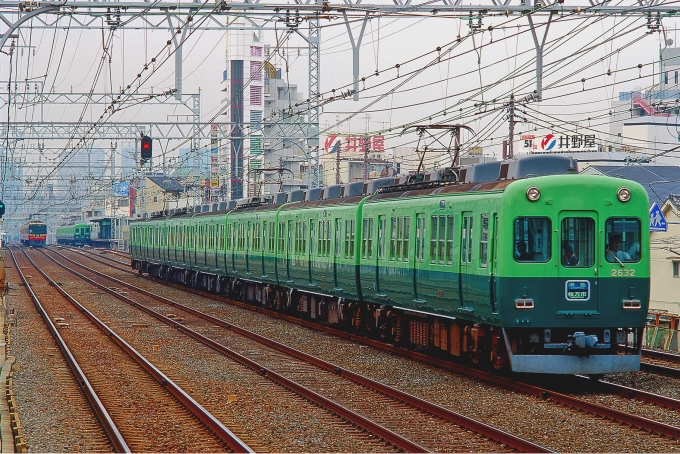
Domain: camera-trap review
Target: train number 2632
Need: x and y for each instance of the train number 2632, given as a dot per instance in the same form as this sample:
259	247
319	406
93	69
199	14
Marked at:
620	272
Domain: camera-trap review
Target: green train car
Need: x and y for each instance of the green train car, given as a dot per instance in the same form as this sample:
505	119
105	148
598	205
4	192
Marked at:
74	235
548	274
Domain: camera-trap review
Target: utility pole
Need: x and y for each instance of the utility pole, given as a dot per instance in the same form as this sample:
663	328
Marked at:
366	158
456	156
368	120
337	164
511	117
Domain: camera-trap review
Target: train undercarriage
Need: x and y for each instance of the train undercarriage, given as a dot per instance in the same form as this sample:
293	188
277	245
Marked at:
481	345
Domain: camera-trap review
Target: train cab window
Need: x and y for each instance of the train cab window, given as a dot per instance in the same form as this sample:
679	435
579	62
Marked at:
531	241
578	242
623	240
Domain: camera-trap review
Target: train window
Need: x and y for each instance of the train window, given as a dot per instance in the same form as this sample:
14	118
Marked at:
381	236
484	241
578	242
420	237
466	239
312	242
532	240
256	236
623	240
289	238
338	235
349	238
400	233
282	237
407	230
433	241
393	240
327	236
272	236
442	239
449	239
367	239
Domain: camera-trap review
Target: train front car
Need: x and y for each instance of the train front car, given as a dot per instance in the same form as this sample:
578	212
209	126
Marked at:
34	234
573	274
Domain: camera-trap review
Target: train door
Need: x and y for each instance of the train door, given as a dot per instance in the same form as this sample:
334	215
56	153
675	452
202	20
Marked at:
184	244
165	254
311	252
193	235
247	246
380	256
179	245
493	263
264	242
464	277
337	250
147	240
289	246
419	260
577	271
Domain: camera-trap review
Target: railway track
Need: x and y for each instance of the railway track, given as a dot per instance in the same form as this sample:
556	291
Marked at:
582	405
661	362
379	409
138	407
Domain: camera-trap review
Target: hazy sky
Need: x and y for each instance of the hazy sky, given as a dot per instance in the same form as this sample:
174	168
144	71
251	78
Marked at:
466	81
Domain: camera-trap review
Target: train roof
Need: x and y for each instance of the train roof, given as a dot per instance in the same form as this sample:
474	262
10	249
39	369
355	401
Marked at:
444	181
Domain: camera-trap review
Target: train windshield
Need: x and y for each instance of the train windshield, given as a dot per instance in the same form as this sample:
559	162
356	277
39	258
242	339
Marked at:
532	239
38	228
578	242
623	240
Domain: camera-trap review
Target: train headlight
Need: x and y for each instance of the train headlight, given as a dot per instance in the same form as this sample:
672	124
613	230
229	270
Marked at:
623	194
533	194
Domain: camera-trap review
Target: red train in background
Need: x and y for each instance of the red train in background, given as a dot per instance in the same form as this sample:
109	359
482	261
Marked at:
33	234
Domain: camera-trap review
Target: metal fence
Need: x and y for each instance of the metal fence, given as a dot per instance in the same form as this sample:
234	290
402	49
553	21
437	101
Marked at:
662	338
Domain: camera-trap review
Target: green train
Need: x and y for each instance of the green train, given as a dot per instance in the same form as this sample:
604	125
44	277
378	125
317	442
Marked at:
538	274
74	235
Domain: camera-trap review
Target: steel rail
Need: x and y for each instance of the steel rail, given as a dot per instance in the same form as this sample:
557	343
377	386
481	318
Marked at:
563	399
201	413
448	415
105	419
369	425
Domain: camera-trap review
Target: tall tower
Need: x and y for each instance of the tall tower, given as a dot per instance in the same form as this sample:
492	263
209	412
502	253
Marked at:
243	84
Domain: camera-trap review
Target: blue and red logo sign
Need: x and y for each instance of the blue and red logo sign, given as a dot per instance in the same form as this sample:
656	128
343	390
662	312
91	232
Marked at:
548	142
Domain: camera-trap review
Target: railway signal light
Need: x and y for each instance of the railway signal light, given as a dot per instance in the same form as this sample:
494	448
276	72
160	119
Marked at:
146	147
2	209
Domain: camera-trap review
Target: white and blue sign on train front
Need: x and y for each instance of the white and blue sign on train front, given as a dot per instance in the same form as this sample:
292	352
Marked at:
657	223
577	290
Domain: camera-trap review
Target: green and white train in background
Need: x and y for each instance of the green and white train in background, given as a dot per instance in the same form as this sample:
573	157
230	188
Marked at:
74	234
479	267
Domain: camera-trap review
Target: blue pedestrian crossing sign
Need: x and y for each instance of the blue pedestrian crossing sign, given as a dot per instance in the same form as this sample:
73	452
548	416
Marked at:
657	223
